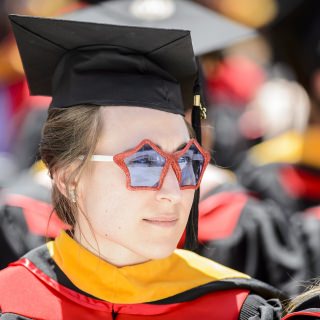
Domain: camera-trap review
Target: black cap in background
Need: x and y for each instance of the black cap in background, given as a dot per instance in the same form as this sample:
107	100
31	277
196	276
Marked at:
210	31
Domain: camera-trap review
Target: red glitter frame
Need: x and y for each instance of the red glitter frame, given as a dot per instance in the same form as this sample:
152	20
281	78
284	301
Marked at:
171	160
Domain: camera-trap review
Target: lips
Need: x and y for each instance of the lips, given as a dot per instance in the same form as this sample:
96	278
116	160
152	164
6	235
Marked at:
162	221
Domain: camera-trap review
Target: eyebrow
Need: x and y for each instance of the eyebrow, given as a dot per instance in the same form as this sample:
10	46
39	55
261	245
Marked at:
180	147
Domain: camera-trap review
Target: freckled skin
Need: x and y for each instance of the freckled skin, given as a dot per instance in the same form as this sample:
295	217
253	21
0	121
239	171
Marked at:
120	233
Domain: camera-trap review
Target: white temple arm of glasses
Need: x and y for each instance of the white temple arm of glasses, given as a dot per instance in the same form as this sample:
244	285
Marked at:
98	157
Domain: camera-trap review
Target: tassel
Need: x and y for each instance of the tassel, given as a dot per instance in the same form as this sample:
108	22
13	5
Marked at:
198	113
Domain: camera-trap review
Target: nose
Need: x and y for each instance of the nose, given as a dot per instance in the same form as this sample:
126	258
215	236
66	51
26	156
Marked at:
170	190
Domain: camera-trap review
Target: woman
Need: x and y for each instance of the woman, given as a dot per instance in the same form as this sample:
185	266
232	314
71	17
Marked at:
126	172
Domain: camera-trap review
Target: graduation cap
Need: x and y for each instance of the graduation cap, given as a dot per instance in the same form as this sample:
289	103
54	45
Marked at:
89	63
210	31
82	62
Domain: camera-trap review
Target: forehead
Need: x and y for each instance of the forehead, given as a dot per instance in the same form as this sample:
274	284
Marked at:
125	127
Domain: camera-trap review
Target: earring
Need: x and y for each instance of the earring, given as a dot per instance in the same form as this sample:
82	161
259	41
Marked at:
72	196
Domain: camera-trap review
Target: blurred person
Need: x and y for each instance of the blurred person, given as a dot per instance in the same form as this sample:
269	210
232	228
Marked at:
231	82
14	96
295	40
285	167
27	219
279	110
119	261
234	81
253	236
234	77
288	18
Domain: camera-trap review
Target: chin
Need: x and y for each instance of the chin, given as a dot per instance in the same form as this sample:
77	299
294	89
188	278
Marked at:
159	251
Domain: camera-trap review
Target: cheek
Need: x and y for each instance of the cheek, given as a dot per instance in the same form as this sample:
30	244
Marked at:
188	196
187	204
108	204
99	190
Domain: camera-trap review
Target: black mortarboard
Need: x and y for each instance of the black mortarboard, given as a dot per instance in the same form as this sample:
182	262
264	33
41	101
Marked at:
210	31
80	62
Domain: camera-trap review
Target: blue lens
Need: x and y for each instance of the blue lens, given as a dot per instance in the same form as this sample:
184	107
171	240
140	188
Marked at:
191	164
145	167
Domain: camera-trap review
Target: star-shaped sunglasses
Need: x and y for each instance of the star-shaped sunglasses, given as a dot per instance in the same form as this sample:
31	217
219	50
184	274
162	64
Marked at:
146	165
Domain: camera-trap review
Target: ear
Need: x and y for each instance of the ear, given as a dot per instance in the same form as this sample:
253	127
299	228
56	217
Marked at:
61	178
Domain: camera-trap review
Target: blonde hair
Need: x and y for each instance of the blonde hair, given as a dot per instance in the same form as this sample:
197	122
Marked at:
312	291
